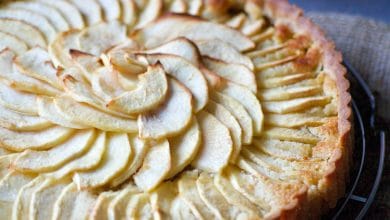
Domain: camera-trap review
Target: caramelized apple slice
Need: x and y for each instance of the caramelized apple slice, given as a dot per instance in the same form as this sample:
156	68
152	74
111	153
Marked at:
190	27
169	119
114	161
43	139
20	122
10	186
186	73
88	161
12	42
32	18
37	63
184	148
155	166
111	9
226	118
47	11
18	101
150	92
68	11
233	72
43	161
217	146
220	50
24	31
90	10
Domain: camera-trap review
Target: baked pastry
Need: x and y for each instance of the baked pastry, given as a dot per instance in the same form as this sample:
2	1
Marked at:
176	109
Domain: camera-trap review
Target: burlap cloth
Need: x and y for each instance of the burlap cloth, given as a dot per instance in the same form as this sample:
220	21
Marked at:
365	44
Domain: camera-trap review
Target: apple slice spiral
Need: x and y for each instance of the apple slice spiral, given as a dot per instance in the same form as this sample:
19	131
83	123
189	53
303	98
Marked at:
161	108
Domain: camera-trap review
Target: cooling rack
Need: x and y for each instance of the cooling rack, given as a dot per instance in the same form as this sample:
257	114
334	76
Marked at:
368	156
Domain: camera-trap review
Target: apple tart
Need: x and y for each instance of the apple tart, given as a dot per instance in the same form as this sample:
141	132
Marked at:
174	109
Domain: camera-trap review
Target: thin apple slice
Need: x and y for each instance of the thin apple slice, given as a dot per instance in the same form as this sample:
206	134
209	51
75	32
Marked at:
18	101
290	92
100	208
124	62
220	50
150	92
101	37
37	63
43	161
90	10
88	161
233	72
169	119
105	85
188	74
24	31
47	11
114	161
44	139
73	204
5	164
217	146
234	197
139	149
193	28
13	78
293	120
225	117
180	210
111	9
128	12
239	112
236	21
139	207
69	12
86	62
20	122
155	166
216	202
180	46
284	149
119	203
287	134
48	111
44	198
60	46
184	148
295	105
4	152
12	42
33	18
189	193
21	207
162	198
10	186
195	7
249	101
87	115
150	12
273	82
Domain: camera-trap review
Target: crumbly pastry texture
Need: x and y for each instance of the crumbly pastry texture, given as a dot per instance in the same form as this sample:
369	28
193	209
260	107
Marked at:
169	109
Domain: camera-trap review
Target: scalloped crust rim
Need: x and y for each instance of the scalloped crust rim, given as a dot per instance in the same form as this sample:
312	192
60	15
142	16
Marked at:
338	168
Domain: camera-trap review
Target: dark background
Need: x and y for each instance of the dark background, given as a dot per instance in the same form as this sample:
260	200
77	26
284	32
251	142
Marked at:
376	9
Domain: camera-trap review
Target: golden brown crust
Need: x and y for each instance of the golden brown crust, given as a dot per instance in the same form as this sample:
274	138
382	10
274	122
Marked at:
334	178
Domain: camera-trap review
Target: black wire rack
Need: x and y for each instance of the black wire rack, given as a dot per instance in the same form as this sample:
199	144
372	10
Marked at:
368	156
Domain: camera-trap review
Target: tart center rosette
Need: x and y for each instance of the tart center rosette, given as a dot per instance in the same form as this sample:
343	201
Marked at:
169	89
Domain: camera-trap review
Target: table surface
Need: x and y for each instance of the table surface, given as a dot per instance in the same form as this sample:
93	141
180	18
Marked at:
376	9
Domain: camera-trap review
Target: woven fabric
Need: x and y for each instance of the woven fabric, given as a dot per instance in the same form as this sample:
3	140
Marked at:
365	44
